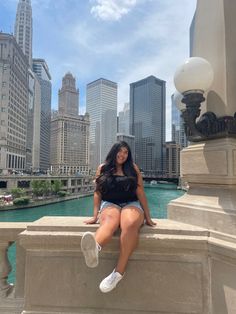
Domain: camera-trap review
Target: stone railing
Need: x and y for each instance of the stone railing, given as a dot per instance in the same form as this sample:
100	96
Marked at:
176	268
9	232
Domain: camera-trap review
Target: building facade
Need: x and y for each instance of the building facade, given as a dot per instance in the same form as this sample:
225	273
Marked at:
69	145
177	126
24	28
172	160
13	105
147	124
41	71
69	148
68	96
129	139
123	126
33	124
101	105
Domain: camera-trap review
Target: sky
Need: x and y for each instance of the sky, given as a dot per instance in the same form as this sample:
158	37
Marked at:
120	40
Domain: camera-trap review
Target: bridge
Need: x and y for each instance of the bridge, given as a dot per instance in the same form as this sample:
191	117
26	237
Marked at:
148	178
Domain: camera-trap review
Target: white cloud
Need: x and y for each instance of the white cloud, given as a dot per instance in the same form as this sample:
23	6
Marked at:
152	39
112	10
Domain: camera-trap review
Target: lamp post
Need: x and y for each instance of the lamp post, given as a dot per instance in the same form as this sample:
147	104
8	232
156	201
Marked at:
192	80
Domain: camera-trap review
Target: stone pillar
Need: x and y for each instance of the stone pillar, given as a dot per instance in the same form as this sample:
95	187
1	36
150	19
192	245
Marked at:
210	167
213	38
210	170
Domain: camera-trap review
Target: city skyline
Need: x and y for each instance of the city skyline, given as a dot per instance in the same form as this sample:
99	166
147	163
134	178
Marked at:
123	43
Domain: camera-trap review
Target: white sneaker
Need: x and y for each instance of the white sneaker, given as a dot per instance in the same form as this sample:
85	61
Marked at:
90	249
110	282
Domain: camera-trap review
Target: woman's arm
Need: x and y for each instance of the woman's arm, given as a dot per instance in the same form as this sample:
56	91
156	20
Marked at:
142	198
96	202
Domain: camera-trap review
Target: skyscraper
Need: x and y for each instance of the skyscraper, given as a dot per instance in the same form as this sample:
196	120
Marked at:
69	132
177	126
13	104
172	160
33	124
147	123
124	120
101	105
68	96
24	28
41	70
129	139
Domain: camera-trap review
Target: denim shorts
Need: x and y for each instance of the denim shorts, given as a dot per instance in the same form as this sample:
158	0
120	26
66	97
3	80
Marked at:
105	204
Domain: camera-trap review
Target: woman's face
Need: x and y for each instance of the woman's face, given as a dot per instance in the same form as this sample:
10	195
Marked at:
122	156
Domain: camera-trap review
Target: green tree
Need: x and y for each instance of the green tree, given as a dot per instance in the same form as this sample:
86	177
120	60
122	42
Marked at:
56	186
17	192
46	187
38	187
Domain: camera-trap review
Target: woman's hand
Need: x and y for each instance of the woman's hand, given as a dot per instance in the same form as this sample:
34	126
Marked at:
91	221
150	222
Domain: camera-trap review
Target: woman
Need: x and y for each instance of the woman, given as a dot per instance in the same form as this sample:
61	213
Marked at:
119	201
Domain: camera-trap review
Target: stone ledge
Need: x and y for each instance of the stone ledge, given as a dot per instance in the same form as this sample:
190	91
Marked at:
10	230
76	224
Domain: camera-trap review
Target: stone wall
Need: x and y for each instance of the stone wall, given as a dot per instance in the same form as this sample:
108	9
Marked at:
175	269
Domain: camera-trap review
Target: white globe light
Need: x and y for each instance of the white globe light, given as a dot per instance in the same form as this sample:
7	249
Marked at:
196	74
177	99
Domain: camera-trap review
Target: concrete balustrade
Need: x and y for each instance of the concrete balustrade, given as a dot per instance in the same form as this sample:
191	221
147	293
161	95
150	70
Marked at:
176	268
9	232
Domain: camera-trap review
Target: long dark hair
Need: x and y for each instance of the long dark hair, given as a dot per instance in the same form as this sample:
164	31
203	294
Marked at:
109	167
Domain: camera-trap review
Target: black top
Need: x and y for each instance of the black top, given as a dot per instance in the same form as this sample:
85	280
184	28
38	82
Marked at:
119	189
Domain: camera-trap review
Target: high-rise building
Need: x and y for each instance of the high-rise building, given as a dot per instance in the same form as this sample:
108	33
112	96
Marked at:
68	96
69	148
124	120
147	124
24	28
129	139
33	124
172	160
13	104
41	70
101	105
177	126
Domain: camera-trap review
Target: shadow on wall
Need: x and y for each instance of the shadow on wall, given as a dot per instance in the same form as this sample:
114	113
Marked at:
216	104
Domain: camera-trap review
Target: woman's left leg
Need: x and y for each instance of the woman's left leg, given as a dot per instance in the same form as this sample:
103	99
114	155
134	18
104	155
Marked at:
131	220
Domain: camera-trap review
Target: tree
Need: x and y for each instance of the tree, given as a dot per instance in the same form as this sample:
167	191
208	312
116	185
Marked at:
46	187
56	186
40	187
17	192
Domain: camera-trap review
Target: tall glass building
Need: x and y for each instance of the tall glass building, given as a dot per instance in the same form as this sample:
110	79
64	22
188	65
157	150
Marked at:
41	70
147	124
101	105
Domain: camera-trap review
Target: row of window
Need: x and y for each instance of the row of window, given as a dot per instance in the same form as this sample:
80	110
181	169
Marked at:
15	162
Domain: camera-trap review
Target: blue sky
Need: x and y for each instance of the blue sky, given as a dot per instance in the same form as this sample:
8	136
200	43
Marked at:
120	40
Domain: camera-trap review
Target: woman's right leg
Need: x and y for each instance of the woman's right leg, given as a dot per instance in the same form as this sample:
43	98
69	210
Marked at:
109	223
91	244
